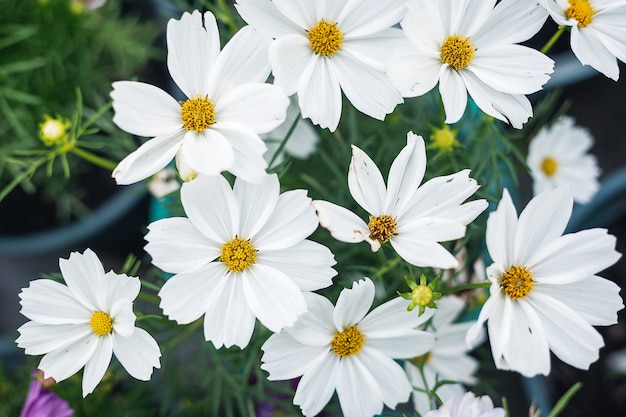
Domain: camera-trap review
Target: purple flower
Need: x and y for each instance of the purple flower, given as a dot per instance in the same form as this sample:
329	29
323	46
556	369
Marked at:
41	402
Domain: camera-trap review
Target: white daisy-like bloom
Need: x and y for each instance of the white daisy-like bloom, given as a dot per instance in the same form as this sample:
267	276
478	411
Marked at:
557	157
448	359
216	128
324	47
302	142
344	348
470	46
598	32
468	406
85	322
412	218
544	293
241	254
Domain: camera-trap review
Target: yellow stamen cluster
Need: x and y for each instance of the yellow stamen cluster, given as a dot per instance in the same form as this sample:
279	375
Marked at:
53	131
198	113
549	166
382	227
325	38
581	11
101	323
347	343
238	254
517	282
457	51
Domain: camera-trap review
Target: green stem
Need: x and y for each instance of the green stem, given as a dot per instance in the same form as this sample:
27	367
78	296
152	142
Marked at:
94	159
546	48
153	299
283	143
562	403
464	287
28	173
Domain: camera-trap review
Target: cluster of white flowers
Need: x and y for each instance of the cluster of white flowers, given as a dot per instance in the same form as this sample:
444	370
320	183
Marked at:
243	253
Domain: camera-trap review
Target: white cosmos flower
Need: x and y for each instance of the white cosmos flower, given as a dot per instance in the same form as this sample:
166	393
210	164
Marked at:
228	105
557	157
241	254
470	46
323	47
345	349
545	295
448	359
412	218
468	406
598	31
84	322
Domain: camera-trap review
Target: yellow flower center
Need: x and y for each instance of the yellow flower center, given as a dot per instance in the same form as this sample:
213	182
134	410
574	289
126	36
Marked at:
443	138
238	254
325	38
457	51
198	113
549	166
422	295
581	11
382	227
517	282
101	323
347	343
53	131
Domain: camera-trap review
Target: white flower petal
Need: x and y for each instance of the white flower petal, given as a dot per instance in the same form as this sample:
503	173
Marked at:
37	338
366	183
317	385
391	379
291	222
574	257
191	250
315	327
211	206
260	107
208	153
512	21
272	297
144	110
378	99
248	148
82	274
51	303
500	233
308	264
413	72
368	17
342	224
595	299
228	320
571	338
430	229
97	364
353	304
256	203
123	317
359	393
264	15
391	319
543	220
304	13
285	358
192	50
185	297
590	51
149	158
62	363
138	354
375	50
319	93
406	174
423	253
453	94
411	344
290	55
244	59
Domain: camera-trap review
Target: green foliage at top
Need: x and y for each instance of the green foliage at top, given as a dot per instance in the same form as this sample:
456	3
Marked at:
48	51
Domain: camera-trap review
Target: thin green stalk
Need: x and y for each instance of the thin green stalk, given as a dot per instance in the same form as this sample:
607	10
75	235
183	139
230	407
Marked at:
283	143
565	399
546	48
94	159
